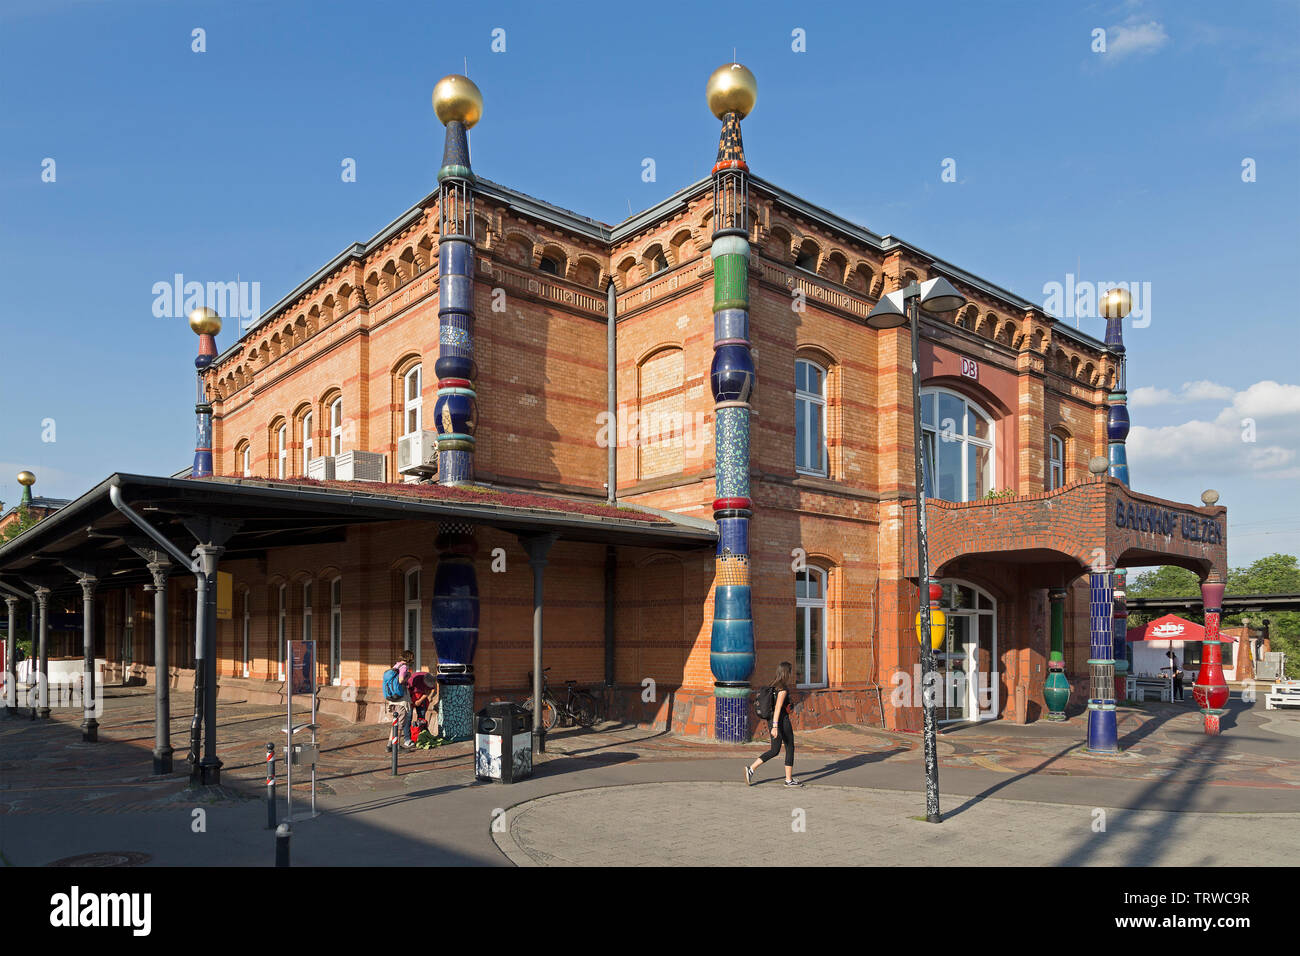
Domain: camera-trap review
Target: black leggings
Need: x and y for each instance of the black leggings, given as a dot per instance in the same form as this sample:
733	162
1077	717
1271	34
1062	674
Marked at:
784	735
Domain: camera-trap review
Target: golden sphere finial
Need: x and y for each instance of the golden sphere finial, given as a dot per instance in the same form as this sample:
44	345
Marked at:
1115	303
26	478
455	97
731	89
204	320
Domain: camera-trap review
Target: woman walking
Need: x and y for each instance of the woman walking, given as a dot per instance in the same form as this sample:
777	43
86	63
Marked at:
782	731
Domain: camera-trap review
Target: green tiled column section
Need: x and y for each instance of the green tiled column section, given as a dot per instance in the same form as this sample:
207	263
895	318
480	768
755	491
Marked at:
730	282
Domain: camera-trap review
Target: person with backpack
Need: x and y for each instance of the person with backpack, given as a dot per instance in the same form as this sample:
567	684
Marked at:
424	699
773	703
397	691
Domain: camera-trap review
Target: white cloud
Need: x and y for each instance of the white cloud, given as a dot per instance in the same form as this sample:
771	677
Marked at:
1200	391
1257	434
1134	36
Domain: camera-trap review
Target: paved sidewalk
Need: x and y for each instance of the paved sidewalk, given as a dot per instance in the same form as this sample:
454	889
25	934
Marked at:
677	824
61	798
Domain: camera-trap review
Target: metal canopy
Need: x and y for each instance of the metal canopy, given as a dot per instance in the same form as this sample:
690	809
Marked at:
279	515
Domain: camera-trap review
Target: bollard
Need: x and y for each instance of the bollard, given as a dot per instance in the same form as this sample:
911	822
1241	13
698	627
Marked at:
393	743
282	834
270	786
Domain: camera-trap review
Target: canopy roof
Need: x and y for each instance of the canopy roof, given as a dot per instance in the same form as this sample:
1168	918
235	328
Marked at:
1171	627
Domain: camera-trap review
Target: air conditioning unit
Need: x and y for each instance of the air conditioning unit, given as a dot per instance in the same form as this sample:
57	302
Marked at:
359	466
417	453
321	469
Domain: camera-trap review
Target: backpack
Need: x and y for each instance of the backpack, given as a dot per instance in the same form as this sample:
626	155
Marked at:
392	689
765	702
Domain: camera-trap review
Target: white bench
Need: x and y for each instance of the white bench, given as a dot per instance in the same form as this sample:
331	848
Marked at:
1285	694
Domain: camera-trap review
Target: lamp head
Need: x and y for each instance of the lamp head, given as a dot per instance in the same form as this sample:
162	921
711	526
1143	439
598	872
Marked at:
939	295
1209	497
888	312
1115	303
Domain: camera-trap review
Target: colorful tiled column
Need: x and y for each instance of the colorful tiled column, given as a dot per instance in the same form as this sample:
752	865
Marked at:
1119	631
1102	733
458	105
1115	305
731	94
206	324
1211	690
1056	690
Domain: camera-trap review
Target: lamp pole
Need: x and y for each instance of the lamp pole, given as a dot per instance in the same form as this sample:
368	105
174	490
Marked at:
893	310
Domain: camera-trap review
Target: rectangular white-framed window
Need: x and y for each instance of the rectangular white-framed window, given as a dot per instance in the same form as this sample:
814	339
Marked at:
282	451
411	629
1055	462
247	629
336	631
307	443
810	628
809	418
412	412
282	633
336	427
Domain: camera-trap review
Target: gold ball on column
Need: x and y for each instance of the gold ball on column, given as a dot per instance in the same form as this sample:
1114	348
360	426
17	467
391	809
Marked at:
731	89
205	321
1115	303
455	97
26	478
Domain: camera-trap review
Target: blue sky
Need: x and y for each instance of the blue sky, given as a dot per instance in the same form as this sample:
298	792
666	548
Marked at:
225	164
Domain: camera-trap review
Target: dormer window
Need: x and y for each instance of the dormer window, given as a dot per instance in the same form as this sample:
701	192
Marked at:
549	265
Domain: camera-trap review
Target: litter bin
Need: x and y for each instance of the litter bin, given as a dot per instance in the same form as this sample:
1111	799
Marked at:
503	743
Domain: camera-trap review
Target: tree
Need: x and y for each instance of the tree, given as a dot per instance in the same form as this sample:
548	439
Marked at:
25	520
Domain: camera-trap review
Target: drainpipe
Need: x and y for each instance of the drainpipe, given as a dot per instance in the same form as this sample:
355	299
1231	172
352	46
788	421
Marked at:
611	375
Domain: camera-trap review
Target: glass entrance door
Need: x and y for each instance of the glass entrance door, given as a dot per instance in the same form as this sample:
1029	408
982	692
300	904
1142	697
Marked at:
969	685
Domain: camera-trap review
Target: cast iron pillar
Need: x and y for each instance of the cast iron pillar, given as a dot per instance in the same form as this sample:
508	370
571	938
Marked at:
11	648
1102	730
162	745
455	610
1056	691
43	677
90	690
731	93
1211	690
538	547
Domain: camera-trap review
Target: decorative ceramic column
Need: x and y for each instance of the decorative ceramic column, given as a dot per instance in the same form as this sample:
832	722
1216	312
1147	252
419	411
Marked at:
731	94
1119	631
1211	690
1056	690
206	324
1115	304
458	105
1102	732
26	479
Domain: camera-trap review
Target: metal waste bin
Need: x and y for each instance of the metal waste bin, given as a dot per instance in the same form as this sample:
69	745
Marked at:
503	743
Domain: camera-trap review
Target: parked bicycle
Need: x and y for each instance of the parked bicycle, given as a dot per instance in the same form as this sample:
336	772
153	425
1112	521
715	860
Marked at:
578	706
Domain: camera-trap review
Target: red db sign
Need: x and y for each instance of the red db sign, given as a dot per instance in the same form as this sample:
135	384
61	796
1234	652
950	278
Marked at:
970	368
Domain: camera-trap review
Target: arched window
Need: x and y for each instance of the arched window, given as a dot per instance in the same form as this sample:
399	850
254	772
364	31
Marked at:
1056	468
336	631
806	257
244	458
308	444
958	445
282	451
411	628
306	611
809	417
658	264
412	411
549	265
336	426
810	627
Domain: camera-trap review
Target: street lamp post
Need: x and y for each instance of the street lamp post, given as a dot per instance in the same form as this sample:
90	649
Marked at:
895	309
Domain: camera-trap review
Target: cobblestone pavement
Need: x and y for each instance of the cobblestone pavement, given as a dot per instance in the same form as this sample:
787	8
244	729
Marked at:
676	825
105	798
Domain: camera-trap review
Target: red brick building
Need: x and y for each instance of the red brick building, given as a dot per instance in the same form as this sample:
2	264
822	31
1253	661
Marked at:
343	364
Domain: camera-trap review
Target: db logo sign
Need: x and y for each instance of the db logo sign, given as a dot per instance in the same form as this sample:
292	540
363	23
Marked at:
970	368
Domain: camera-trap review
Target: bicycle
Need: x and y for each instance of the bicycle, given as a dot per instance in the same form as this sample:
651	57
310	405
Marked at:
578	706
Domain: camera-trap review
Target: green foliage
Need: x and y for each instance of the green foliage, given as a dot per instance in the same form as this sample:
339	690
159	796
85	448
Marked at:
25	520
1274	574
995	495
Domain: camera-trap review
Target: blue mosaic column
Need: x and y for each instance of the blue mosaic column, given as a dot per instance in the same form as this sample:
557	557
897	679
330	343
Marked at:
1115	304
1102	733
731	93
206	324
455	610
